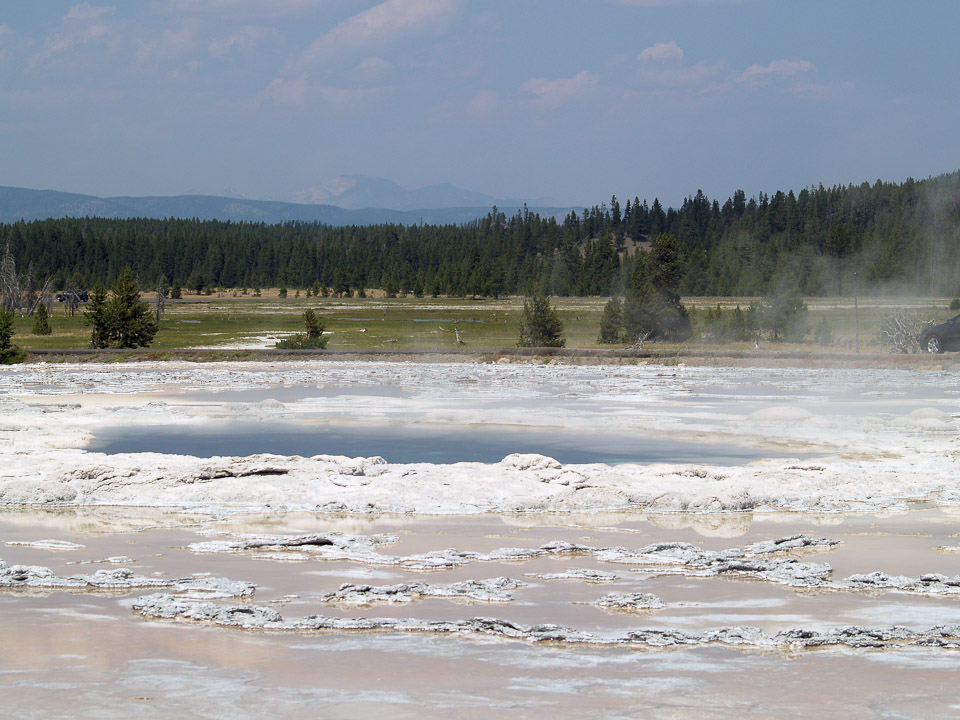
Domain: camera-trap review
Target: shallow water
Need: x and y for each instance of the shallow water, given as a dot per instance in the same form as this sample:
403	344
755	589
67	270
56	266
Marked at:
412	443
85	655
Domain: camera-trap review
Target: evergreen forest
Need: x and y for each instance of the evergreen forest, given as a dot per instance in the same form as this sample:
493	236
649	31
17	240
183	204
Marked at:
882	238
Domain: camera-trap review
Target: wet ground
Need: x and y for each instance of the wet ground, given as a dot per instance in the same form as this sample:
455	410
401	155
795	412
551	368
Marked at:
86	654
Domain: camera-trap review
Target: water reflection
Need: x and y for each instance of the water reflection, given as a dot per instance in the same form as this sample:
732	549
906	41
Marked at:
413	443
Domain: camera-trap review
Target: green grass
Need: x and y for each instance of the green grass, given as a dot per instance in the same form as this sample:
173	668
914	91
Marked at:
428	324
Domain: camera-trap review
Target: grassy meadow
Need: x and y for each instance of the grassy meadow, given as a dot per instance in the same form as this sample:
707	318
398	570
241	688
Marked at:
234	321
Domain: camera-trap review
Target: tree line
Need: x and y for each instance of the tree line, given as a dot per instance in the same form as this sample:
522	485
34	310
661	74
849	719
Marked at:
820	241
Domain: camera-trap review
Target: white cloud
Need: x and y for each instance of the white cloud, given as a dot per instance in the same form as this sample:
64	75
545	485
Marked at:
762	74
82	25
555	92
173	44
694	75
662	52
245	38
660	67
85	11
287	91
381	23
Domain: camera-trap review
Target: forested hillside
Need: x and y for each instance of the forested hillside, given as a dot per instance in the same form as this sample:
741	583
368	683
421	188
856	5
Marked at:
823	241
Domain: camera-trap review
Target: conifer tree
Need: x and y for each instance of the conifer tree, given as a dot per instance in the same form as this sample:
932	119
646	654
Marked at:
540	325
123	320
611	322
132	319
96	315
41	322
312	339
9	353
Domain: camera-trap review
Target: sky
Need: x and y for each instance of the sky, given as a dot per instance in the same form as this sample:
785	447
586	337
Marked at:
555	101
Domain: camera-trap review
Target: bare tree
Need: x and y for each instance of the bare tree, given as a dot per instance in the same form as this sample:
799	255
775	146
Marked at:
900	332
161	301
43	297
20	293
642	337
9	282
28	291
71	301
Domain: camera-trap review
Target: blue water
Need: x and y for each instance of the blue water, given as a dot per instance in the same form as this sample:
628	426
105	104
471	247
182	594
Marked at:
406	443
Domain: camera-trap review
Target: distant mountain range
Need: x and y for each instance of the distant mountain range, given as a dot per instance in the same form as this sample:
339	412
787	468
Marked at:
342	201
355	192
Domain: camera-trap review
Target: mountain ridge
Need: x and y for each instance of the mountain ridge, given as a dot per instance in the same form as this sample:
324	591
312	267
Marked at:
17	203
357	192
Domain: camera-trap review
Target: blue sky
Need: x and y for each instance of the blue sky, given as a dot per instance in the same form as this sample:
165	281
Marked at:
569	101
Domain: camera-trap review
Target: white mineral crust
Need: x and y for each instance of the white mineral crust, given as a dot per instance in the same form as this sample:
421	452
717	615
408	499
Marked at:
867	460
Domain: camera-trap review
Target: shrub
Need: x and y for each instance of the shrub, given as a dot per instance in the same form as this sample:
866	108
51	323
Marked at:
784	314
312	339
736	325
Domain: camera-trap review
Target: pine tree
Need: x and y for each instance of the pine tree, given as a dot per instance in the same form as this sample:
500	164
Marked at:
41	322
783	313
9	353
611	322
123	320
312	339
652	307
312	325
133	324
96	315
540	325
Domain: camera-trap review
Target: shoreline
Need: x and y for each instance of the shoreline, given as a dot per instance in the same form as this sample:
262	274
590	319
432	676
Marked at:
575	356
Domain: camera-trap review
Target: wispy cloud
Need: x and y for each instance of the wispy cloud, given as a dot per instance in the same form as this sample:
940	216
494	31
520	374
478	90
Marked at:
661	67
483	104
554	93
82	25
286	91
170	44
381	23
243	39
662	52
756	75
374	67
